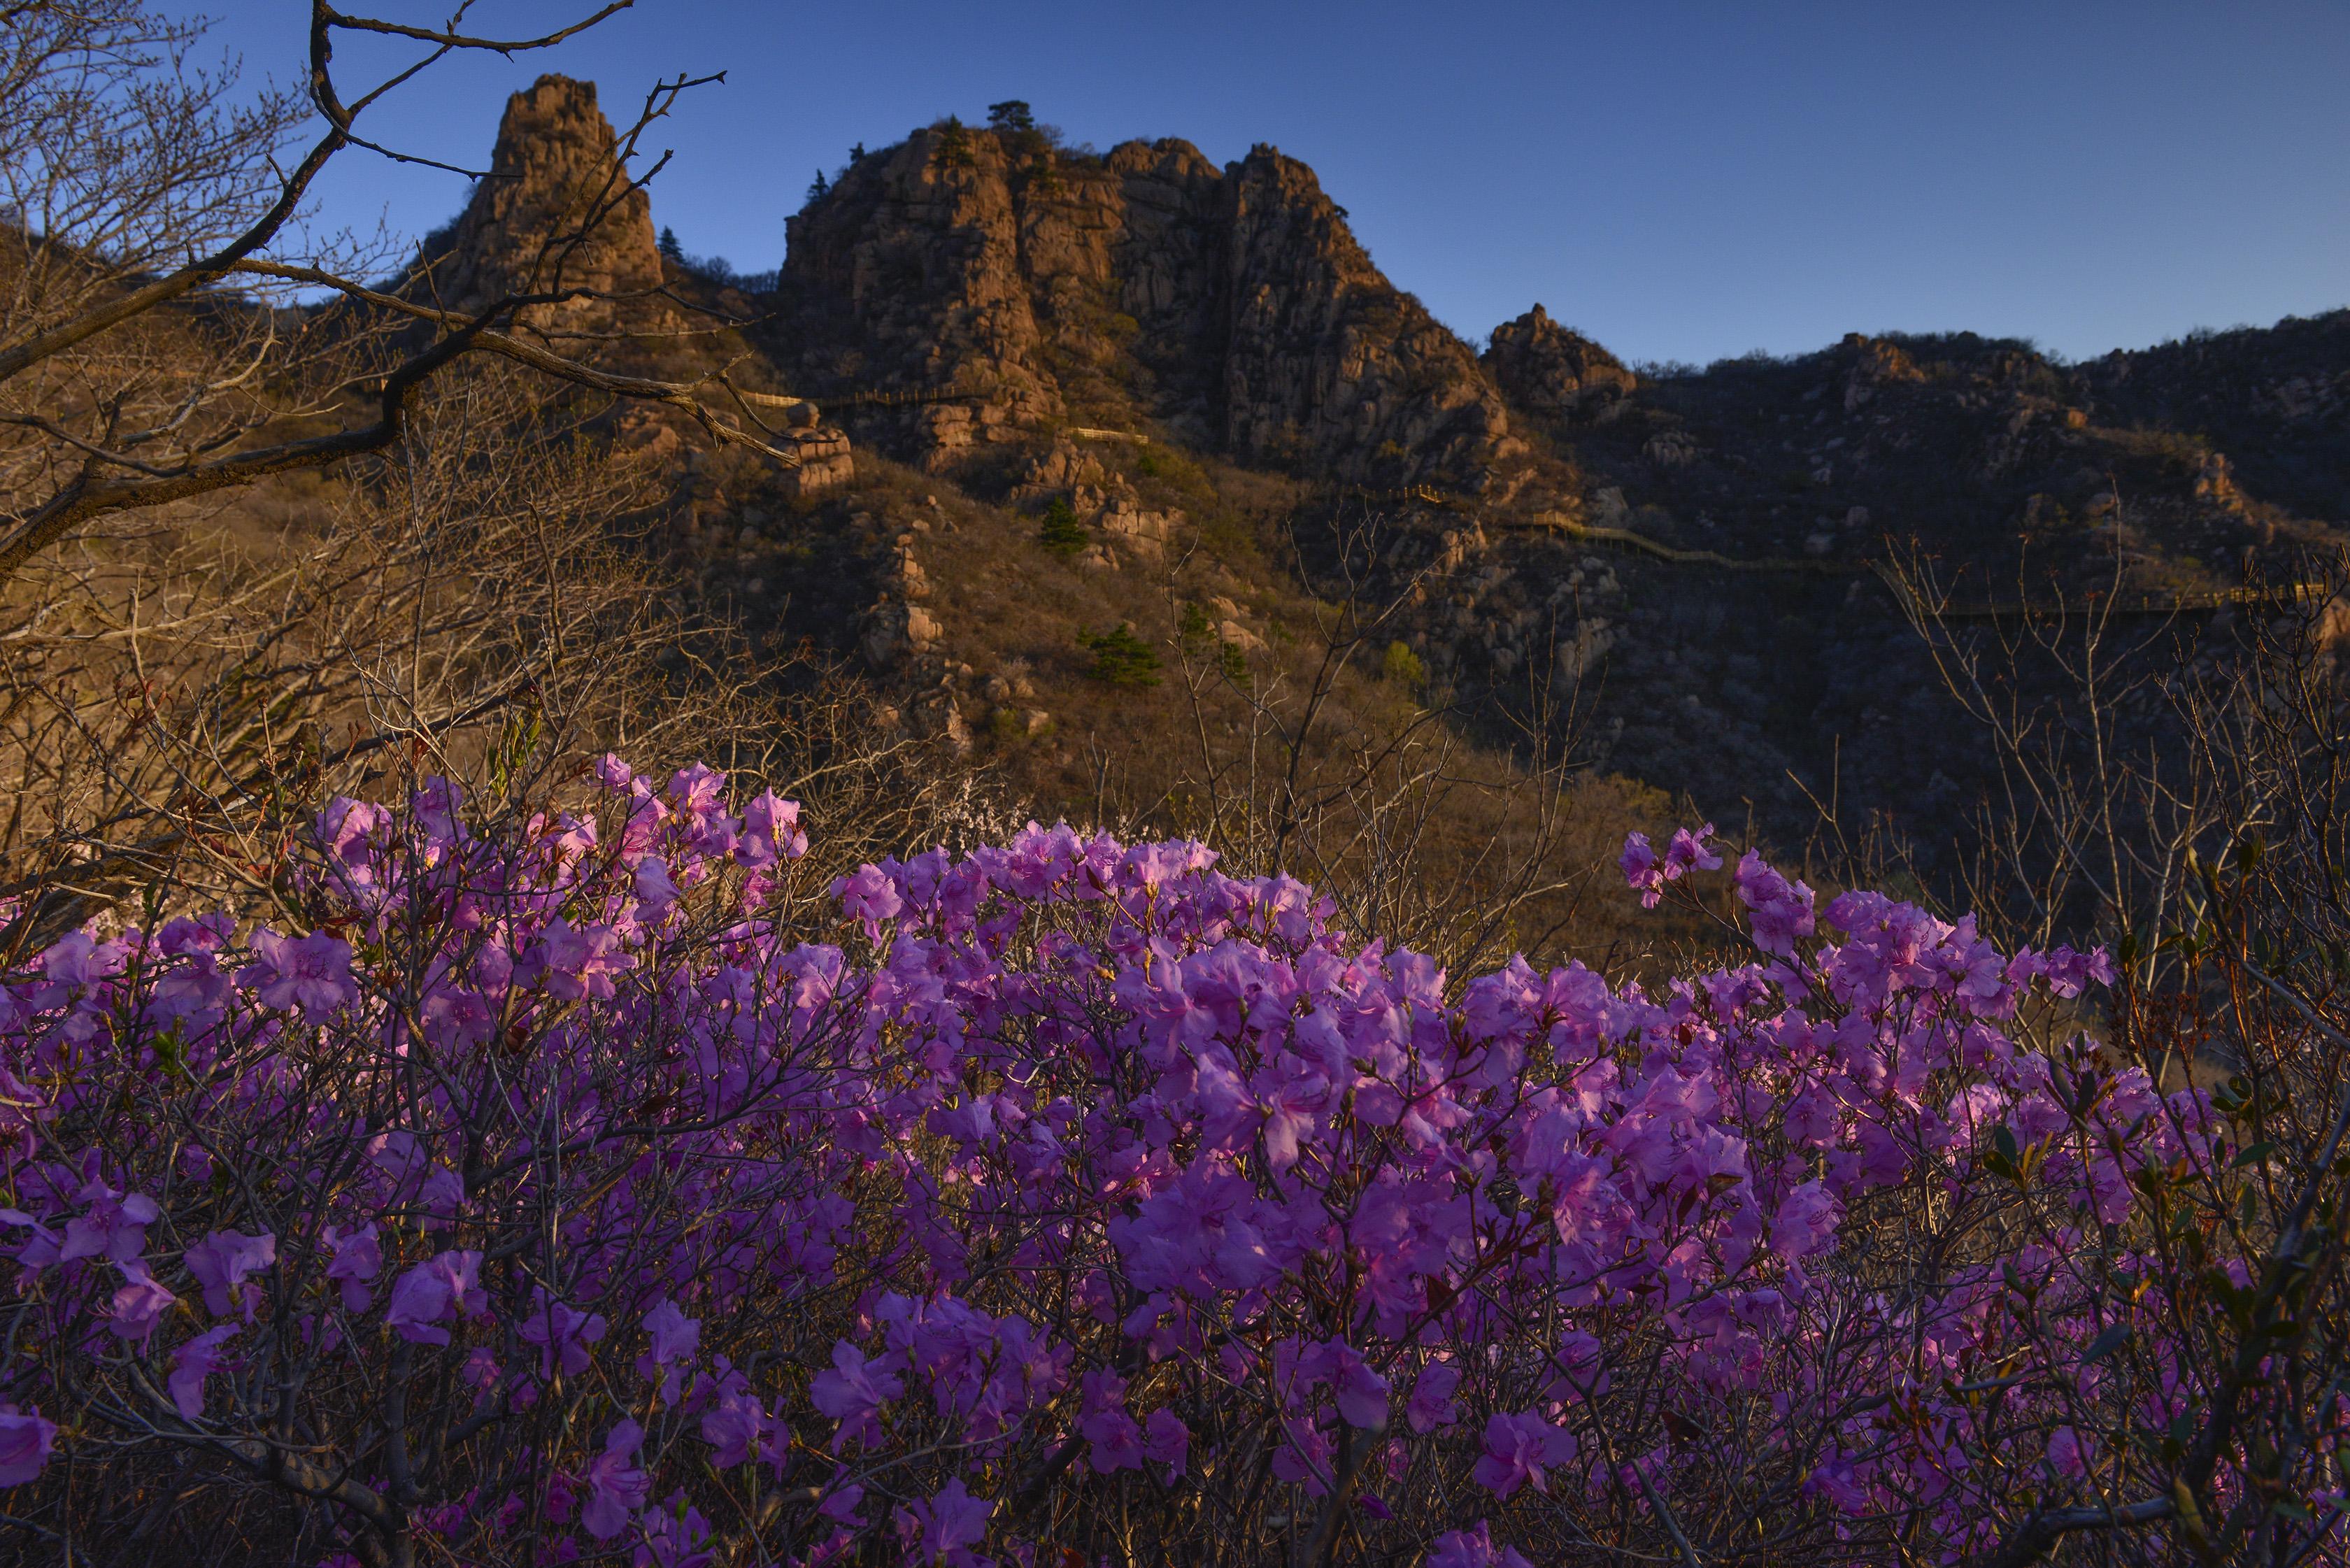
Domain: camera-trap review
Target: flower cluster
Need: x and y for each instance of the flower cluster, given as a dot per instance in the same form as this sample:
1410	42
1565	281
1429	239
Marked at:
586	1182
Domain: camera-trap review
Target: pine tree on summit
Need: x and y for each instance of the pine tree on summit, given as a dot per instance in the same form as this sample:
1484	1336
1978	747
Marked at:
1012	114
954	144
668	244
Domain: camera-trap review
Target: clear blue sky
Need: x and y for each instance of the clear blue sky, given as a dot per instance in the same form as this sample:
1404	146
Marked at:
1681	180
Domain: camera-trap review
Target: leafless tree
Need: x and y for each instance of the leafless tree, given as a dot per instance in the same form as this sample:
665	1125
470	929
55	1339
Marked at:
154	345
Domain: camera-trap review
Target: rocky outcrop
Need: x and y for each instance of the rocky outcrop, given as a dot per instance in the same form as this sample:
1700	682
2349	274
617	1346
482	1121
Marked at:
1329	363
975	288
557	212
906	282
1874	365
1550	369
826	461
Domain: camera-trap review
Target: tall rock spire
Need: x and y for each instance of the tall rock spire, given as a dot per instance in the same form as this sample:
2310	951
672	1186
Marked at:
557	211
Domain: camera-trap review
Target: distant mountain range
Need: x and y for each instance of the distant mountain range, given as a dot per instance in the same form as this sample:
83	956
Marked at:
1202	368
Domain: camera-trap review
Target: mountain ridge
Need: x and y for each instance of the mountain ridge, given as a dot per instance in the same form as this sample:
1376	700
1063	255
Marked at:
1195	362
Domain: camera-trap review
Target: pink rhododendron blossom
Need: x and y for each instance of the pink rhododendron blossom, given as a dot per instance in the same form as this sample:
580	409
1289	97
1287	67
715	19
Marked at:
1167	1441
1114	1439
1112	1176
1643	872
1687	852
1431	1404
113	1226
674	1535
25	1442
562	1333
110	1224
771	832
1780	911
853	1393
2068	1455
674	1336
735	1424
867	895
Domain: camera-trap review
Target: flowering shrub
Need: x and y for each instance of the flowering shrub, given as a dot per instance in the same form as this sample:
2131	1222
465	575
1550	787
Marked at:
586	1186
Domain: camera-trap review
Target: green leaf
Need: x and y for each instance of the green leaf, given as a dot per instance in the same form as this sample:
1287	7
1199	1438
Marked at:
2104	1344
2256	1155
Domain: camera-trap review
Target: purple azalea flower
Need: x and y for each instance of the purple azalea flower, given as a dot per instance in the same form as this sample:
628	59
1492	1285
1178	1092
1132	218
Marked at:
25	1440
853	1393
1642	871
445	1286
1519	1450
615	1488
222	1261
946	1525
139	1305
1473	1548
562	1333
312	972
1166	1440
1431	1405
194	1362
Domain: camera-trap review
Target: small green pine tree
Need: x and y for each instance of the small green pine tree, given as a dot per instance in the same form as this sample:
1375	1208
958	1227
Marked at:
669	245
1062	533
1012	114
1122	659
817	188
1194	625
954	145
1233	662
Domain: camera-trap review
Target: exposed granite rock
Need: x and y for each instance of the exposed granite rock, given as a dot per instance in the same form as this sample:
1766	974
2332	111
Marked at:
1875	364
825	460
894	630
1143	535
990	292
1550	369
906	281
1329	363
557	212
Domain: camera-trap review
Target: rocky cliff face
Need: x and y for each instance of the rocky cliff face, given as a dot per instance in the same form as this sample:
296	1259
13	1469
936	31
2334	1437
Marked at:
557	211
1549	369
1233	306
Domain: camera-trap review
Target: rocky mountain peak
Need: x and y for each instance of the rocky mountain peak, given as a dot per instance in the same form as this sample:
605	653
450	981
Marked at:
1232	306
557	210
1553	370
